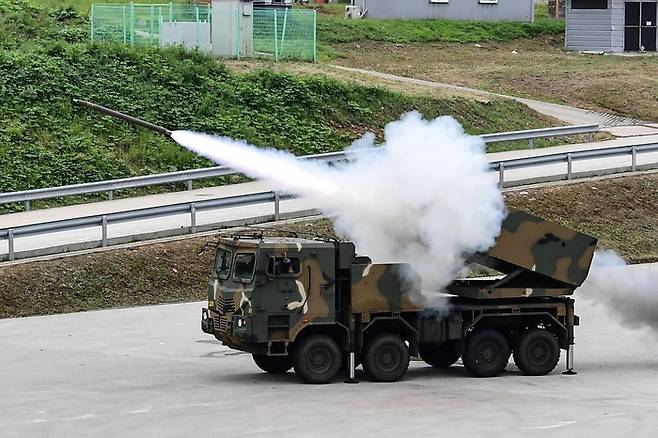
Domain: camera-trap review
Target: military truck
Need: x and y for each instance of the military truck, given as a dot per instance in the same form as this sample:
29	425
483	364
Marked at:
309	304
317	306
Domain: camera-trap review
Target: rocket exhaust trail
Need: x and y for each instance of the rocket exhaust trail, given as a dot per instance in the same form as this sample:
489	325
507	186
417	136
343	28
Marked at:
425	199
629	292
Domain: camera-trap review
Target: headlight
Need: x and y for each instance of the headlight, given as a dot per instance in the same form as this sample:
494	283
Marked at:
241	322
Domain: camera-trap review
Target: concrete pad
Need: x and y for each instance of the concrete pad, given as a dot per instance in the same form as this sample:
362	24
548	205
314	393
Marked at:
150	371
632	131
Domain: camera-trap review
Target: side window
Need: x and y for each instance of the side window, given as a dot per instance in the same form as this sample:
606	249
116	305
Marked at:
243	269
283	266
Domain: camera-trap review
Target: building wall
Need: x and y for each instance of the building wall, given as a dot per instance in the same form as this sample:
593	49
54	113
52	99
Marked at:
510	10
600	30
589	29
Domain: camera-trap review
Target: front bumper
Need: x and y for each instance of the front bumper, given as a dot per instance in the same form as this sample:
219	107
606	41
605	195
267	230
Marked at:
227	328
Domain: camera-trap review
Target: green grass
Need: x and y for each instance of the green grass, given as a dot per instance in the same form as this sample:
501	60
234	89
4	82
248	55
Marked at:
333	28
45	141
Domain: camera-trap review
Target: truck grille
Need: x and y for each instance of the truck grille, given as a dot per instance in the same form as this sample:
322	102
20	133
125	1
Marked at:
225	305
222	325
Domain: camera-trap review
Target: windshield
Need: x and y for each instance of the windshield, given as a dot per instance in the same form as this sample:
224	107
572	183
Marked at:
222	263
244	267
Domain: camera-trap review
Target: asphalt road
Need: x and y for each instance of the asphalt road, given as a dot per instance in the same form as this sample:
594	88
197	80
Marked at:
71	240
151	372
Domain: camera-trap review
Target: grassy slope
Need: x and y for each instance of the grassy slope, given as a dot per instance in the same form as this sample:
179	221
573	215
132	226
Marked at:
335	29
45	141
621	212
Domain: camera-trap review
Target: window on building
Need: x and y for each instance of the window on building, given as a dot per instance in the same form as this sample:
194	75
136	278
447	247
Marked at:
589	4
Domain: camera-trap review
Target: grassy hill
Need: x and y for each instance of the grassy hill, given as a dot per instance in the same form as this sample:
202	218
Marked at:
333	28
46	61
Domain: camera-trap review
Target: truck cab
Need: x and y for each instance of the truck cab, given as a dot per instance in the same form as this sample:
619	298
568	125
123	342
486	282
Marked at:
263	293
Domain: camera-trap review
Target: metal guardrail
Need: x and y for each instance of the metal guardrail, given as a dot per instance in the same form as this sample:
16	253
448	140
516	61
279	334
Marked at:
192	208
569	157
189	176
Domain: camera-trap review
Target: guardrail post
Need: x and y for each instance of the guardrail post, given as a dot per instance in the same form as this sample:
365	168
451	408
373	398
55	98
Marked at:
193	218
10	238
277	214
189	185
110	195
531	143
103	231
634	158
27	205
501	174
569	166
590	137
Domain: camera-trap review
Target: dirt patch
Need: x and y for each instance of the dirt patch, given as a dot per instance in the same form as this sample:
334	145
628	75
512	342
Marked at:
538	68
622	212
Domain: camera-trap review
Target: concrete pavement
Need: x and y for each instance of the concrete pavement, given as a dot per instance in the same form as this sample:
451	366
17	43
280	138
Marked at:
150	371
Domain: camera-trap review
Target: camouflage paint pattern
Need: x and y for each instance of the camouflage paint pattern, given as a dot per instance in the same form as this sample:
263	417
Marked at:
537	259
532	243
275	307
385	288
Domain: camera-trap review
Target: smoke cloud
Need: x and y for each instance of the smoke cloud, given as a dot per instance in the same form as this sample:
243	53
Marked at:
630	293
425	197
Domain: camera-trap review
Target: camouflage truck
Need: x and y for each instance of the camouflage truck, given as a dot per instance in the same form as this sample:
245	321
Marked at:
309	304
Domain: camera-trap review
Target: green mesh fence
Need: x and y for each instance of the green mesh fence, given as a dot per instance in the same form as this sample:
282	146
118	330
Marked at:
141	23
285	33
278	33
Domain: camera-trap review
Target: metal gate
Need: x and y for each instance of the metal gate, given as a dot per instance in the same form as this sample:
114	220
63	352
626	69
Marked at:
640	26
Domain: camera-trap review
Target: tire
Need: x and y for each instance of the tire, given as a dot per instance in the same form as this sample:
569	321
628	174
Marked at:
486	353
537	353
440	355
317	359
386	358
272	364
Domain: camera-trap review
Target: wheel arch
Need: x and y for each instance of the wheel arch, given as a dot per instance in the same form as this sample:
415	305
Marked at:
338	332
395	325
520	321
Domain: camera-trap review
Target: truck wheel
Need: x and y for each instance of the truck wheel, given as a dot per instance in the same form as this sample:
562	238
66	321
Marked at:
440	355
272	364
386	358
317	359
537	352
486	353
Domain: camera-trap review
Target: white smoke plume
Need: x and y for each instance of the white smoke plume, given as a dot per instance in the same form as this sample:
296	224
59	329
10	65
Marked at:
629	292
425	198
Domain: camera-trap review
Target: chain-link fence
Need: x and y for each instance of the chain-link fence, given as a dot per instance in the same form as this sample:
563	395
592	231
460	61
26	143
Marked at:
142	23
285	33
278	33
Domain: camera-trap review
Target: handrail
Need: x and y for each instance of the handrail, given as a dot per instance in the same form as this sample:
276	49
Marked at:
192	208
188	176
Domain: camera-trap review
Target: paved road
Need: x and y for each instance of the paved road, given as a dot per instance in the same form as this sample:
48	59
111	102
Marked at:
77	239
565	113
150	371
